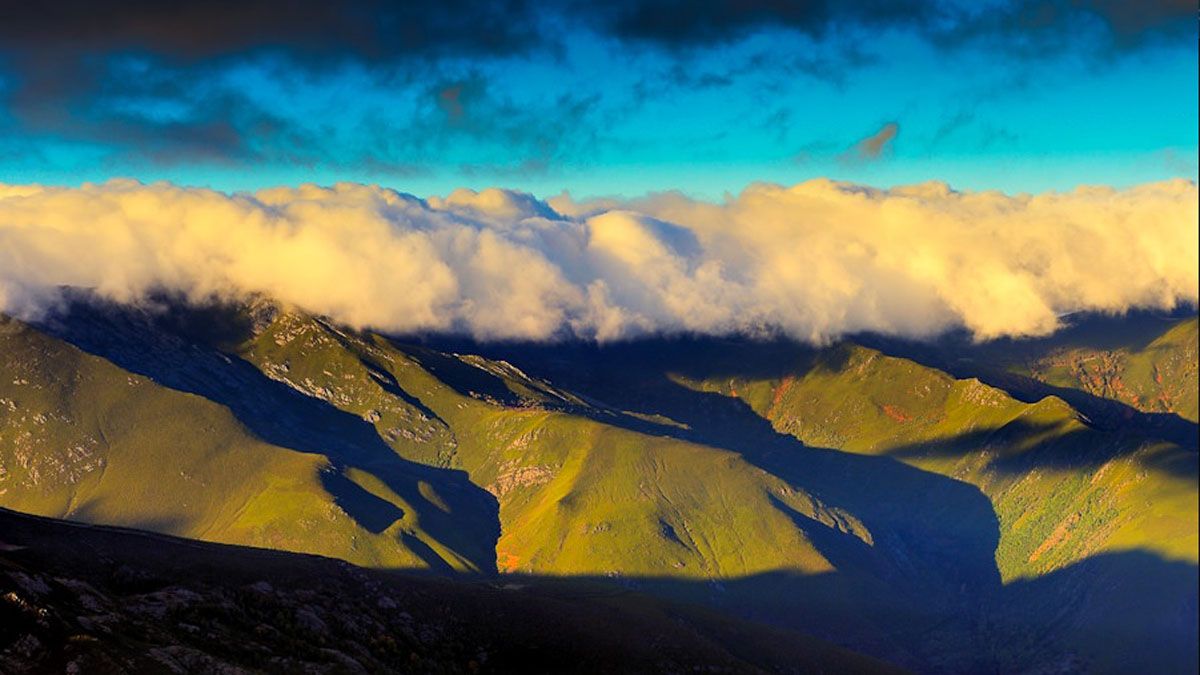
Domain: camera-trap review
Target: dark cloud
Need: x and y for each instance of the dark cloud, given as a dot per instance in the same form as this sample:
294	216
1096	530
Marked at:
450	100
190	30
60	36
952	125
216	125
60	55
384	29
57	56
513	139
691	23
1039	29
1120	24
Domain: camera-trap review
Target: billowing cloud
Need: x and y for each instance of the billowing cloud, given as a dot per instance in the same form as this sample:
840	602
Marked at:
813	261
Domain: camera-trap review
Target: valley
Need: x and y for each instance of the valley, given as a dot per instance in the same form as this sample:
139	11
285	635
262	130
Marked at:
932	518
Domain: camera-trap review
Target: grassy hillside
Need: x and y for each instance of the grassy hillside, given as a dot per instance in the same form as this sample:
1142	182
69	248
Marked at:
81	438
576	496
1062	491
1103	512
939	522
1160	377
588	490
1064	494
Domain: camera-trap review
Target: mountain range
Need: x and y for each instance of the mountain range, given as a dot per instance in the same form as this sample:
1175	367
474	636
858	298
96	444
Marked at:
940	506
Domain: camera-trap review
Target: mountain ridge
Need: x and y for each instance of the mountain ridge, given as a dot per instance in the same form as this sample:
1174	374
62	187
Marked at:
913	504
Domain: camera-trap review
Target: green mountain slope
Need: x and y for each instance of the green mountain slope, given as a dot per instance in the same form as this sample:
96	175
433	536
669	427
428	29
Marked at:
1160	377
1047	474
81	438
584	489
1070	501
576	496
940	523
1064	494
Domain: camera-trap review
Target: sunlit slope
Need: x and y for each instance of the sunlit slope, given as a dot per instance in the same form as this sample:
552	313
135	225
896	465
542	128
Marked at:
1160	377
872	500
588	489
83	439
1097	530
408	456
1062	491
576	495
1084	548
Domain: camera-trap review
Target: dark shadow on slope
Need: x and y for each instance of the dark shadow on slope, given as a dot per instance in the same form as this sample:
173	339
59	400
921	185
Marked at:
464	378
388	383
1021	446
924	526
271	611
1133	331
847	553
436	564
692	356
934	537
1128	612
635	375
93	511
135	340
372	513
962	360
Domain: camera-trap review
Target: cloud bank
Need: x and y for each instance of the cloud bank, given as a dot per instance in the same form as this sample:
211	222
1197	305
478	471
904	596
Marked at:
812	261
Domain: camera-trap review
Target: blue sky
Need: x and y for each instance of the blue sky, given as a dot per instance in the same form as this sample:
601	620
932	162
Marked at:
553	98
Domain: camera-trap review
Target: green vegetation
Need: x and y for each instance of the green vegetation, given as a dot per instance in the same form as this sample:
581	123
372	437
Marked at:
83	439
576	496
1159	377
939	522
1062	490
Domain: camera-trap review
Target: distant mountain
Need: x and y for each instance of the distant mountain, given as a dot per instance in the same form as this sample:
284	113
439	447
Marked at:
1156	376
948	507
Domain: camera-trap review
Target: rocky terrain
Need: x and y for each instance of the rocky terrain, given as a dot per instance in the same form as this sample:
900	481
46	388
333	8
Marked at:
86	599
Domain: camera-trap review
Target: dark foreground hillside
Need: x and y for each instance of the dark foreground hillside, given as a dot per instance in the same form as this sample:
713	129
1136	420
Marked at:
85	599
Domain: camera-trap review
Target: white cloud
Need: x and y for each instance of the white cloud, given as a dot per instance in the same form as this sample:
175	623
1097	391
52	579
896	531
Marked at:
815	260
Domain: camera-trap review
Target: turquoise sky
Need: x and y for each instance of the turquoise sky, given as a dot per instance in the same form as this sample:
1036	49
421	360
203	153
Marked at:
597	112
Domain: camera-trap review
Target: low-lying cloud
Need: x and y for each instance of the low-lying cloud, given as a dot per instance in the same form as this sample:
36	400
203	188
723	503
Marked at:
812	261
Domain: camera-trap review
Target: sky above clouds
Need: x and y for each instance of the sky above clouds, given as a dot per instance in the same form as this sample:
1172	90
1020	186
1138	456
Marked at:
598	99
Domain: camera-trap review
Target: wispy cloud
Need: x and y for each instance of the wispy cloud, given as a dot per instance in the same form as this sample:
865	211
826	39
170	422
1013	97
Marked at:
874	146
